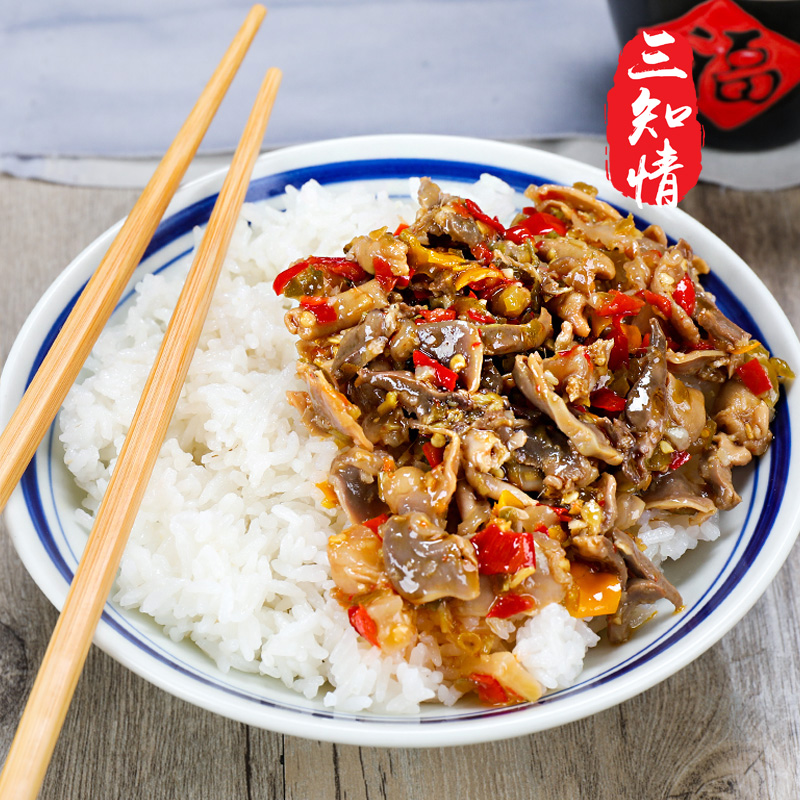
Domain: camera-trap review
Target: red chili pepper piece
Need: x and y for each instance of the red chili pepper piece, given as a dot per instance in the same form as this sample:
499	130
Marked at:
437	314
703	344
433	454
363	623
488	286
500	551
476	212
509	604
337	266
482	253
375	523
679	458
620	305
538	223
518	234
400	228
563	513
754	376
343	267
659	301
541	222
445	377
319	307
685	295
490	691
279	284
385	276
606	400
620	352
340	266
484	317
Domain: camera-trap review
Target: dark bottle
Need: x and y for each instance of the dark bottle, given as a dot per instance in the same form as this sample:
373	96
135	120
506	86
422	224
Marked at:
746	63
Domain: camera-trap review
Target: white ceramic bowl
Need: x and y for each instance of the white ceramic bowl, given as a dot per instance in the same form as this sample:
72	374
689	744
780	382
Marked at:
719	581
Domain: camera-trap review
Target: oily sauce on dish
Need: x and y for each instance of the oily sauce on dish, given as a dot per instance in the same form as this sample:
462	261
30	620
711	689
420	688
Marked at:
508	401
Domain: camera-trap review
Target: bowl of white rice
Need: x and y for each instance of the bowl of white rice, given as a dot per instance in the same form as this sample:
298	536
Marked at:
223	597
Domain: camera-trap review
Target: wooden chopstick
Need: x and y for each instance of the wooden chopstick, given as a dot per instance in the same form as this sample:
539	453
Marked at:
58	675
60	367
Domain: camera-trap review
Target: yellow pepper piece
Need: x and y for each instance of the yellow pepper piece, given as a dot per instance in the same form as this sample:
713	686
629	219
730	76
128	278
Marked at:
444	259
419	255
745	348
507	499
598	593
475	274
329	495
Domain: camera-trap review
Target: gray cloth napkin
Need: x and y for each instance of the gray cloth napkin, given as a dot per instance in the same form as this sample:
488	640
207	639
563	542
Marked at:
91	91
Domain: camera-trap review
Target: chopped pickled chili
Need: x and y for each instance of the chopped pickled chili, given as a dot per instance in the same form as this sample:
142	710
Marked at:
508	605
279	284
437	314
754	376
685	295
482	253
483	317
363	623
703	344
490	690
606	400
679	458
476	212
620	352
375	523
620	305
343	267
659	301
445	377
563	513
503	551
538	223
433	454
385	277
319	307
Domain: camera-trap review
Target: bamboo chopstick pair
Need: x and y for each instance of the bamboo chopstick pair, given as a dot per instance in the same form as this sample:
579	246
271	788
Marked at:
63	661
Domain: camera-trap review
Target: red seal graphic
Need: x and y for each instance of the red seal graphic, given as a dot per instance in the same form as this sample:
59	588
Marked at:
743	68
654	138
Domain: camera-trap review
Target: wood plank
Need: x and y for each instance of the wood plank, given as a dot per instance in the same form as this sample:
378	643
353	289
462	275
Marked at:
727	726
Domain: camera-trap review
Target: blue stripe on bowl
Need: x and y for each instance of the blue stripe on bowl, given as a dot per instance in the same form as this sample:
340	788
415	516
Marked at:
273	186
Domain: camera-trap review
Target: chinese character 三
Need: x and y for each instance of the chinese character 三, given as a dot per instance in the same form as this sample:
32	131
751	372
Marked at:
653	57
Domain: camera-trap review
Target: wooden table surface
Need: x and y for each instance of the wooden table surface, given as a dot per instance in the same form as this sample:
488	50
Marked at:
727	726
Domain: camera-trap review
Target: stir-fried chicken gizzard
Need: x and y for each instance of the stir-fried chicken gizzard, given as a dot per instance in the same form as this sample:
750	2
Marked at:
508	402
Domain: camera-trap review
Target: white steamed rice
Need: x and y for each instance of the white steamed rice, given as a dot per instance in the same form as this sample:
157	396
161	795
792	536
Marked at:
664	539
229	548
